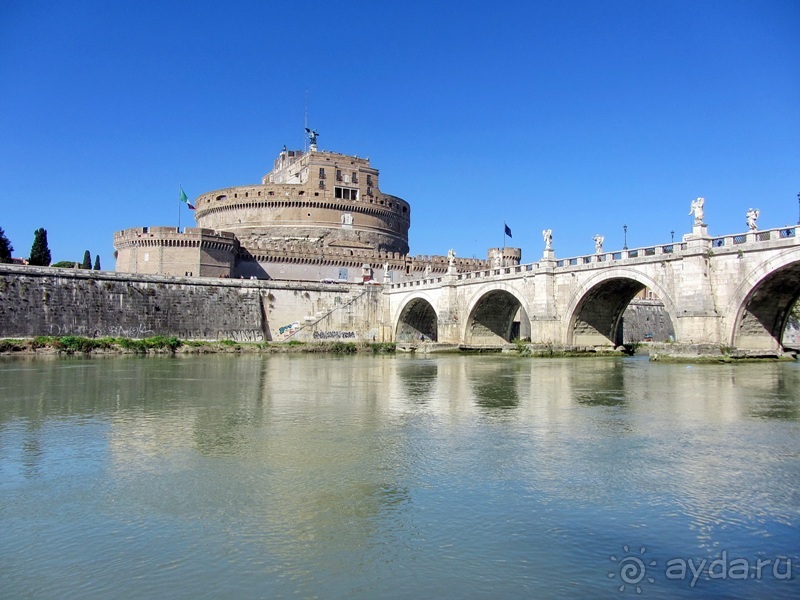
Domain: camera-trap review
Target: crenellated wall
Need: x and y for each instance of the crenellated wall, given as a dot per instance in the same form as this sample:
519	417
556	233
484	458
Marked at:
168	251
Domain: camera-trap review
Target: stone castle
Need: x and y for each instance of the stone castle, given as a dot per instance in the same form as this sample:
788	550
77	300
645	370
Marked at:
317	216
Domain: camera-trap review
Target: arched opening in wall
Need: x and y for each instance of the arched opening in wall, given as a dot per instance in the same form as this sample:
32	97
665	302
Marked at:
646	319
521	326
619	311
417	322
768	317
497	318
791	331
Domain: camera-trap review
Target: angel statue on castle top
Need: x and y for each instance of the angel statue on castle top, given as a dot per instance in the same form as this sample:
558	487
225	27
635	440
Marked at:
451	257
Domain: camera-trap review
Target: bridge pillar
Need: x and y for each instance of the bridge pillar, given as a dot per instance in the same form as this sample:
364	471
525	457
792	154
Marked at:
545	324
449	325
698	321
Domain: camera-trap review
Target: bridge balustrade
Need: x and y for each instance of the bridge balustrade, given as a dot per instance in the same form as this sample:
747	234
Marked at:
754	236
717	242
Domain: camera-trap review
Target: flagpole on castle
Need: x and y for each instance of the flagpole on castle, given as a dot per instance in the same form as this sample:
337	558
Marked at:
180	189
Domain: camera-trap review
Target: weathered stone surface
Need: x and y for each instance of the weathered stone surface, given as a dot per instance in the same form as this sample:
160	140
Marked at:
46	301
734	291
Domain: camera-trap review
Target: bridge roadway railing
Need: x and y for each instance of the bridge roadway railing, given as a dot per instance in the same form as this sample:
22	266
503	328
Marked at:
767	235
725	241
498	272
605	257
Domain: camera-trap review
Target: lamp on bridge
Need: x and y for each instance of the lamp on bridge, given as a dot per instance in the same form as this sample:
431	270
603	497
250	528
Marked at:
625	231
798	208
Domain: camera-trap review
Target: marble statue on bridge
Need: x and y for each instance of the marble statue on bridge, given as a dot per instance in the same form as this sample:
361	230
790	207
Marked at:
451	262
497	259
598	243
697	210
547	234
752	217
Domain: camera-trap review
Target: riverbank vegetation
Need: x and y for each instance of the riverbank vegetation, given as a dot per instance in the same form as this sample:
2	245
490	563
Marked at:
71	344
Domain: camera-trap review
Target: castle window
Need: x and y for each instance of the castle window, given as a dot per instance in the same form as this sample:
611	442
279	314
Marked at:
338	175
345	193
322	172
355	177
222	197
321	184
369	179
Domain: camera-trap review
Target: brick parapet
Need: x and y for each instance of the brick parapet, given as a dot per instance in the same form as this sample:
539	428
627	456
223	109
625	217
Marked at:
171	236
287	252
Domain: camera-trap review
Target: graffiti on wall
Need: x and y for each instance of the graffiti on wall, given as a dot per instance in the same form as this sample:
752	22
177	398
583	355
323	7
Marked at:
136	331
237	335
334	335
289	329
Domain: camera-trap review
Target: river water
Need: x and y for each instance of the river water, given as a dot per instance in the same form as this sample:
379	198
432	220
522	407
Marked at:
297	476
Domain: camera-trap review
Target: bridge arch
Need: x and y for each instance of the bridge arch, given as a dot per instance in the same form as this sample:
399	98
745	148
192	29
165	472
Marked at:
417	319
594	315
760	305
496	315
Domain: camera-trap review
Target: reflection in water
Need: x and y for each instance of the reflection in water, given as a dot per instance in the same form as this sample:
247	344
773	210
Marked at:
401	476
495	385
419	378
600	383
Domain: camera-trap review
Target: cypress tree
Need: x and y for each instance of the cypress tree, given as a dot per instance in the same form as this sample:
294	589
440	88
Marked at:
40	252
96	262
87	260
5	247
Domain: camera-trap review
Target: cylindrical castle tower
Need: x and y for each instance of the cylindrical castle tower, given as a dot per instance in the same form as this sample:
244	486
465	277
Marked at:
318	199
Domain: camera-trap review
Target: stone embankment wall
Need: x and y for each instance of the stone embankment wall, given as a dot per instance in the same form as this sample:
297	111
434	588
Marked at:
646	320
46	301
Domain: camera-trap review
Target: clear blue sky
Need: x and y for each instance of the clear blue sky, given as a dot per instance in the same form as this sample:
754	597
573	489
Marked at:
579	116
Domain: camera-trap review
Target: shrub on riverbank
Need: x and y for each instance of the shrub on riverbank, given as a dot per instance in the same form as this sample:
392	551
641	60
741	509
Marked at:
161	344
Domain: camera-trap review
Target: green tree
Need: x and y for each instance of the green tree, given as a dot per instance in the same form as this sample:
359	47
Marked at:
5	247
87	260
40	251
64	264
96	262
794	316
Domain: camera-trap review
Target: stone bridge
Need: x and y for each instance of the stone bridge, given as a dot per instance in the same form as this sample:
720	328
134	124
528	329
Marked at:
732	291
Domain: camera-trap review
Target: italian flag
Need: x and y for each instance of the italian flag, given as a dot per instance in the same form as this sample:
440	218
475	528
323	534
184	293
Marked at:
184	198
